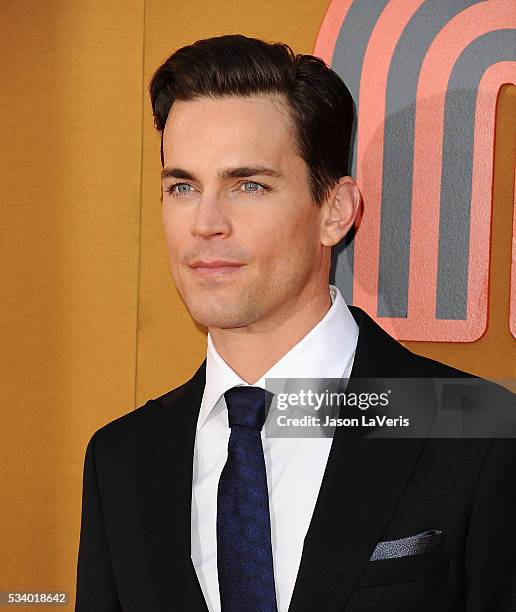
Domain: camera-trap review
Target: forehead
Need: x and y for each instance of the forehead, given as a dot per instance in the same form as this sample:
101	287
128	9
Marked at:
207	127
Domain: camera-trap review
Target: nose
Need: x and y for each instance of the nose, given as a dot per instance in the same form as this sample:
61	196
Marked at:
211	217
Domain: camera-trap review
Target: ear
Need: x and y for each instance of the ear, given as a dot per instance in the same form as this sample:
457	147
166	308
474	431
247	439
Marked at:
340	210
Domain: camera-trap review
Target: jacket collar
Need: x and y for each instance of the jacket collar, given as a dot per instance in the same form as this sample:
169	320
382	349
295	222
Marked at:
353	506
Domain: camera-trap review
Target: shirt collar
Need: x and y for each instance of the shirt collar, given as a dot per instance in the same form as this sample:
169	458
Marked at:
321	353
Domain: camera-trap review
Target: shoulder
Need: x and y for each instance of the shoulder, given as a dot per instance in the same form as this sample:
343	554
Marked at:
125	431
436	369
488	408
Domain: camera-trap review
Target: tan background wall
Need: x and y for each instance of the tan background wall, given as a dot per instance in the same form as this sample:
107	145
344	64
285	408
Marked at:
91	325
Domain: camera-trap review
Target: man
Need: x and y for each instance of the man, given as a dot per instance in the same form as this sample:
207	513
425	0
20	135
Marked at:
187	504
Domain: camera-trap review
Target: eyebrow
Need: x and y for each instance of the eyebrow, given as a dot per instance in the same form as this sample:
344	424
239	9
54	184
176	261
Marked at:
223	174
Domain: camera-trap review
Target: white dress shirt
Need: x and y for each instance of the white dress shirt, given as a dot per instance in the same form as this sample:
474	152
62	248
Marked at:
295	466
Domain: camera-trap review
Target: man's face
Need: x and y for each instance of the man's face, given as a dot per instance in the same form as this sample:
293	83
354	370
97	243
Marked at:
258	214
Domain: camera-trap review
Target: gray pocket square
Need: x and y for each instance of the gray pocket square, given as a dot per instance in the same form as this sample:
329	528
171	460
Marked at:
413	545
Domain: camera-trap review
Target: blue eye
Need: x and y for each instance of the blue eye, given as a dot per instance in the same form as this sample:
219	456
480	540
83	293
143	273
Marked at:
180	189
258	187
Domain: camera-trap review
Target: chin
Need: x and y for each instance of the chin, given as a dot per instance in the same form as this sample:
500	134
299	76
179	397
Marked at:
218	317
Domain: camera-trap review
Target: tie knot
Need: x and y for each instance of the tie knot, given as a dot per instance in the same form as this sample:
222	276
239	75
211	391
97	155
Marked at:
247	406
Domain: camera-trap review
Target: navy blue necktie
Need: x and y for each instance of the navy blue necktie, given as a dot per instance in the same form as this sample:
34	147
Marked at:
244	550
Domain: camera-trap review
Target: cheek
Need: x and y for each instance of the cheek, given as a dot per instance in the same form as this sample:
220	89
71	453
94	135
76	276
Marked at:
296	235
281	249
175	233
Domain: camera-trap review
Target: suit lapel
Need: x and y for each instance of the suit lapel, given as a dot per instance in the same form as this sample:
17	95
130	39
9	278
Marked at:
164	490
363	480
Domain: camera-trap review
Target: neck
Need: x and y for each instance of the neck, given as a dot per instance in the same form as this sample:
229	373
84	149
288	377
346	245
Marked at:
252	350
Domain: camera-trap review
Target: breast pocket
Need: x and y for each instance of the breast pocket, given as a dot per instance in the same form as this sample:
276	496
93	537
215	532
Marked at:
419	556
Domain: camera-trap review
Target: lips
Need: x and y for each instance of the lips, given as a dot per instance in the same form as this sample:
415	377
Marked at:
217	268
215	264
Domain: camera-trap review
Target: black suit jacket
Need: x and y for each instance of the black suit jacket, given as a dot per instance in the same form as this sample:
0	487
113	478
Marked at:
134	552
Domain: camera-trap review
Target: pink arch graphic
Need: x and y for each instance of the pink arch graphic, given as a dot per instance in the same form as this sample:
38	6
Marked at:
431	93
330	28
373	87
370	138
433	81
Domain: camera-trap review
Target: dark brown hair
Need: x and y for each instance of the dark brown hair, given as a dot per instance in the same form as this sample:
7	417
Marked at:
319	102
